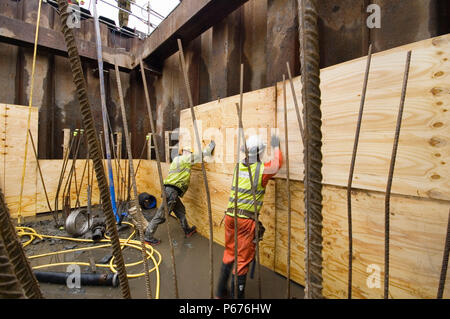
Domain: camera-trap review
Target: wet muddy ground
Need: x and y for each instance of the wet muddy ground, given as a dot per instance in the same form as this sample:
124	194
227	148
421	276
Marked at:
191	256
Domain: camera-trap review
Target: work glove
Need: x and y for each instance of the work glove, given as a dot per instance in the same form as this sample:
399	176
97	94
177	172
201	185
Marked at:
275	141
209	149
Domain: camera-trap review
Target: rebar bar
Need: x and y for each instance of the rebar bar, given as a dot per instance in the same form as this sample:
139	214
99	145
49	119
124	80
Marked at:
16	255
94	145
288	190
163	193
297	109
42	177
10	287
135	206
205	178
444	267
310	71
350	177
391	175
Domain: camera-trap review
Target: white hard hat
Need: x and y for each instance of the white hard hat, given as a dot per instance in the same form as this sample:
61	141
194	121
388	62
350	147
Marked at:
255	145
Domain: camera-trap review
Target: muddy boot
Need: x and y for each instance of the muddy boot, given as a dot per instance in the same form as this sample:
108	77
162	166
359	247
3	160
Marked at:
222	289
241	286
149	239
190	231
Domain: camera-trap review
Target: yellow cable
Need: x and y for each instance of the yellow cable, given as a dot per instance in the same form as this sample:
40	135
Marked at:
32	234
19	214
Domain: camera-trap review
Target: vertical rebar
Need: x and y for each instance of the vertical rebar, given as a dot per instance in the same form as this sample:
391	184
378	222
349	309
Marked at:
10	287
350	177
391	175
135	206
205	178
288	190
158	161
444	262
16	255
310	71
94	145
297	109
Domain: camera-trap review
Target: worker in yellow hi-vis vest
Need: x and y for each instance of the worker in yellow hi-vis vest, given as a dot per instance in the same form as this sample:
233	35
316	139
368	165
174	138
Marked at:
175	186
261	174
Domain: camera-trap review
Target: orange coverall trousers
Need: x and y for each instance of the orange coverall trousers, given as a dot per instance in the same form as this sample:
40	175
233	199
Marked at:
246	246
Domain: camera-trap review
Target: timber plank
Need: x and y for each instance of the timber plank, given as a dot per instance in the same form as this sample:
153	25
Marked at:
14	132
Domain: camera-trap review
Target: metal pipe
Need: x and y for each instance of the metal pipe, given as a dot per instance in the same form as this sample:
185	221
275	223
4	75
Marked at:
391	175
104	112
205	178
158	161
309	60
350	177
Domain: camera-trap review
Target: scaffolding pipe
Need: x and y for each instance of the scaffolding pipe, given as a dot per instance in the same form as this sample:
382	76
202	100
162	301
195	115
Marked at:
105	112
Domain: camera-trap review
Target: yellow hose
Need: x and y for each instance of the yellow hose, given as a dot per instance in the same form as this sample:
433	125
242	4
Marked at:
30	232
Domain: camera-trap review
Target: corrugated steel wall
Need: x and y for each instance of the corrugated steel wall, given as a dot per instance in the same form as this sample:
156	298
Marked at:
262	34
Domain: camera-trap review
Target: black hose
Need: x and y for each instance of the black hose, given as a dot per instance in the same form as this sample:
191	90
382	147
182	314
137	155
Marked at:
85	279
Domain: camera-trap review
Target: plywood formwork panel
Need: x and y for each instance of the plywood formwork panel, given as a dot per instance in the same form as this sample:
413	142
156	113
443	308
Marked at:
422	161
14	120
418	228
218	121
417	238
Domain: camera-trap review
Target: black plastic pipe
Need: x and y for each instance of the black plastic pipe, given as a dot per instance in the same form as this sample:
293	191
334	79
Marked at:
85	279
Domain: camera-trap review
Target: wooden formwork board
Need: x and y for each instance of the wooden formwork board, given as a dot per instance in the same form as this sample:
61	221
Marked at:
13	131
418	228
423	158
417	239
218	121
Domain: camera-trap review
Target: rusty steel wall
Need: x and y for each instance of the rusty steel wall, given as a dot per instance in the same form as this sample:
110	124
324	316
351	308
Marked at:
54	93
261	34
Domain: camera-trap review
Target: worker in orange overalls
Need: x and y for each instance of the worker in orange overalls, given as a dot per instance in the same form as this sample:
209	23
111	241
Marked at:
261	173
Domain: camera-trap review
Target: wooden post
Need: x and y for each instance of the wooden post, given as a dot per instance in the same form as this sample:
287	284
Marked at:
119	157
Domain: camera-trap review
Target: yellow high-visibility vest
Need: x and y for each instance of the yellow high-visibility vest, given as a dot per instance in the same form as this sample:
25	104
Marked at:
244	191
180	173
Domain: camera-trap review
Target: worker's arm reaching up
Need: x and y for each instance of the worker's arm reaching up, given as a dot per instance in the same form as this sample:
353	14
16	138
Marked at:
206	152
272	167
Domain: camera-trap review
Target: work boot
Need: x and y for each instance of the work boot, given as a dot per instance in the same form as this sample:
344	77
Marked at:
190	231
222	289
152	241
241	286
149	239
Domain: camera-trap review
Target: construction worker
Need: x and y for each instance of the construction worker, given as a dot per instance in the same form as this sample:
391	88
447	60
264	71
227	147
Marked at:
261	173
123	15
175	186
